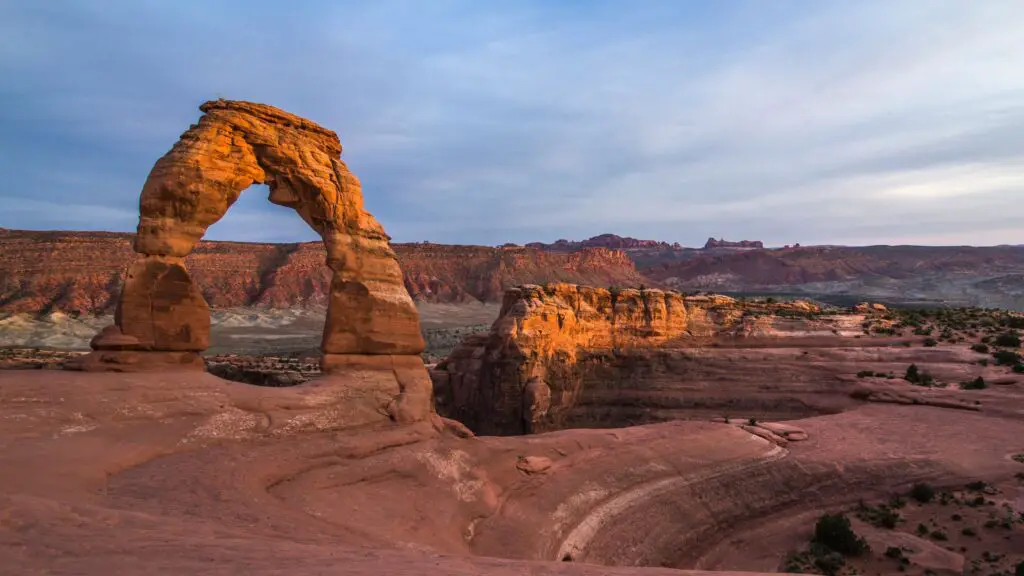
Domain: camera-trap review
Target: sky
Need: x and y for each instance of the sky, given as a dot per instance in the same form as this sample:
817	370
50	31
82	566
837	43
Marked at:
819	122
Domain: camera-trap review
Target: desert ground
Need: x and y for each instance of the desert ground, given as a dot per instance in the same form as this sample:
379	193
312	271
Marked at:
724	465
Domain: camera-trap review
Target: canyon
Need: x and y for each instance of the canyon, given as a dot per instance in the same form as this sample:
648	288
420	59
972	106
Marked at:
82	272
618	428
565	356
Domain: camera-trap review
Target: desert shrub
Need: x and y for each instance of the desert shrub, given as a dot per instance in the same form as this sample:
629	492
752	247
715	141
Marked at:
1006	357
968	531
929	342
1008	339
752	421
1019	457
939	535
829	561
1013	321
922	492
980	348
865	374
983	362
923	331
976	384
913	374
834	531
881	516
922	529
986	339
1018	368
893	552
1020	569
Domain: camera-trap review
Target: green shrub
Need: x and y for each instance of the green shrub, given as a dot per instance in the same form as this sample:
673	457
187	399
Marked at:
834	531
939	535
865	374
930	342
980	348
1006	357
913	374
881	516
1018	368
922	492
1020	570
976	384
1008	339
893	552
922	529
968	532
830	562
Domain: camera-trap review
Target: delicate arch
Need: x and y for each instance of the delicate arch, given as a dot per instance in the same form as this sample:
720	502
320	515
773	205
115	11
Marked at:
233	146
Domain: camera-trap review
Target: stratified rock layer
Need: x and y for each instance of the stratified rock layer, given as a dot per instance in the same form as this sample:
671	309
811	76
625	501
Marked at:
556	348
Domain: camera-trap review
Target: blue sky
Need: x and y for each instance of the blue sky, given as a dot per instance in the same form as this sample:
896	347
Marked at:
484	122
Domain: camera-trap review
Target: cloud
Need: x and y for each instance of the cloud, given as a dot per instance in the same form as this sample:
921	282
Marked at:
484	123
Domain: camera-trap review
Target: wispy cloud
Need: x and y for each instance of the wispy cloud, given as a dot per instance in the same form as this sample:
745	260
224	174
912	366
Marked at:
826	122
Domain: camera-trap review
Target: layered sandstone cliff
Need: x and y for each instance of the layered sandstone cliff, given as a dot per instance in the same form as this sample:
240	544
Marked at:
553	347
82	272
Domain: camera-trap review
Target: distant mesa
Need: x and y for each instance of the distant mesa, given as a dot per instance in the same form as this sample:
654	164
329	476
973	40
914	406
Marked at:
610	241
711	244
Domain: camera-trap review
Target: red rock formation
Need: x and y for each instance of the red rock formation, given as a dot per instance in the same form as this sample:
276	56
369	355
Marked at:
372	328
722	243
610	241
81	272
553	348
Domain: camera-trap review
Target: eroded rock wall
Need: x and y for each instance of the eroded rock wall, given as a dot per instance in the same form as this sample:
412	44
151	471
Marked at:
558	348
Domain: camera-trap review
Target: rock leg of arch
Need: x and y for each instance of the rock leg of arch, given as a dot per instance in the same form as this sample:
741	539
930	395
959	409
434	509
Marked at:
162	320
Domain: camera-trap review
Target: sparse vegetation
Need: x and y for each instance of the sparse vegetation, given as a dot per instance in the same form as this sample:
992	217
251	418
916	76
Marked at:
1008	340
922	492
976	384
1006	357
915	376
881	516
834	531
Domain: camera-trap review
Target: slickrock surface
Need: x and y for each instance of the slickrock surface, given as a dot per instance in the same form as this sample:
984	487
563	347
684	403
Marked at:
168	473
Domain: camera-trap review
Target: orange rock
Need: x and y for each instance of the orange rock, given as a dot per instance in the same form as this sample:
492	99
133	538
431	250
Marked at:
162	308
235	145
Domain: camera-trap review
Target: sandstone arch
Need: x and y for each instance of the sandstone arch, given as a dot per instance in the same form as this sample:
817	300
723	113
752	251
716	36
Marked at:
162	317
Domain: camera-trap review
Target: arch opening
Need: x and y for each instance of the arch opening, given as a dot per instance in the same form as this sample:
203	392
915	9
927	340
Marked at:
162	320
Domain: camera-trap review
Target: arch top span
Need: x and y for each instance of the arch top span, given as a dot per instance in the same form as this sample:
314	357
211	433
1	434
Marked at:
234	145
